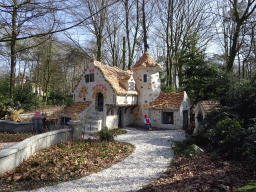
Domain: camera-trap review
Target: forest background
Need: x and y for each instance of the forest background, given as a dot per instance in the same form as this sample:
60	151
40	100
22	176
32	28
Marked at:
204	45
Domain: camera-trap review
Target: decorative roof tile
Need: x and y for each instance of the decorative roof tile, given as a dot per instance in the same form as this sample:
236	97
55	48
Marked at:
210	105
77	107
146	61
167	100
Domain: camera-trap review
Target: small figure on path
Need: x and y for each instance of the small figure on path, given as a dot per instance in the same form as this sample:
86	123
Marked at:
18	105
54	102
147	122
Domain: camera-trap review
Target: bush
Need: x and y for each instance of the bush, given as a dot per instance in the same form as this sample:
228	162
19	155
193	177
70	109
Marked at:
57	95
69	100
27	98
249	146
106	134
240	101
223	134
187	147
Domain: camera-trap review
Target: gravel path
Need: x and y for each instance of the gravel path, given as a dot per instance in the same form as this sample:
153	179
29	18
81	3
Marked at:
148	161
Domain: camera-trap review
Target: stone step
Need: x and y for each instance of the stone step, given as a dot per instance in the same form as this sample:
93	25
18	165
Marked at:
91	129
92	126
94	117
94	122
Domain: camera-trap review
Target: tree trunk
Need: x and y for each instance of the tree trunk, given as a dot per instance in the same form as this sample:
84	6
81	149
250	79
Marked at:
144	27
13	46
233	50
124	53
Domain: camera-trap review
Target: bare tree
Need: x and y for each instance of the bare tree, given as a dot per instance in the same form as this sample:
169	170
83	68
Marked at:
179	21
21	19
234	17
131	22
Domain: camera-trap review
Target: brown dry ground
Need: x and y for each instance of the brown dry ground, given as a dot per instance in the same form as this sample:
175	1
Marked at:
202	173
63	162
9	137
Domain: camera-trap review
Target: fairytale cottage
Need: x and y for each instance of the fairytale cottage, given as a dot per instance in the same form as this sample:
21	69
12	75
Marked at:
110	97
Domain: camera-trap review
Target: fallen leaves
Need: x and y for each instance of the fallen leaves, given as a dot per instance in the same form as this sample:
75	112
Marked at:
202	174
10	137
63	162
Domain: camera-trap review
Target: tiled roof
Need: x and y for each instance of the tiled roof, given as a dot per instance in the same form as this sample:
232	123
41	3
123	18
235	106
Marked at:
145	61
114	76
210	105
165	100
77	108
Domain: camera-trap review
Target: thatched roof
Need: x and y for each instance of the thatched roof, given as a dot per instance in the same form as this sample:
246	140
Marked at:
146	61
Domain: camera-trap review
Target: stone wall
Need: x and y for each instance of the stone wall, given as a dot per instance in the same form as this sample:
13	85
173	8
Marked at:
15	155
14	127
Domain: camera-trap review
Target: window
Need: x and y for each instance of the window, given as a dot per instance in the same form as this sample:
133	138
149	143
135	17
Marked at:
167	117
145	78
87	78
92	77
131	86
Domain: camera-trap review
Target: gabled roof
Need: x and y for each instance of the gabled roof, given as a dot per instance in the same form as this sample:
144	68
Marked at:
77	108
146	61
114	76
210	105
165	100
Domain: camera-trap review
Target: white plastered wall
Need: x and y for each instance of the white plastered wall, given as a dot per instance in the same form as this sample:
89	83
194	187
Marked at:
149	91
88	91
198	109
157	119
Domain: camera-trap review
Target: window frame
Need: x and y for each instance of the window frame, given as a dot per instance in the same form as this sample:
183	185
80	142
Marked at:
131	84
91	77
87	78
167	120
145	78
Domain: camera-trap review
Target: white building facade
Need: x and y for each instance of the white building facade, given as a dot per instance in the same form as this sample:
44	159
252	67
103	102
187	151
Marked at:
116	98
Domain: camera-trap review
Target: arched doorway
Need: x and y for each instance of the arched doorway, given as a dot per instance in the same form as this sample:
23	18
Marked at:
99	101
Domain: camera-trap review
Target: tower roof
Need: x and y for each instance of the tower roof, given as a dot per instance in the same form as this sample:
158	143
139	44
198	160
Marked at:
146	61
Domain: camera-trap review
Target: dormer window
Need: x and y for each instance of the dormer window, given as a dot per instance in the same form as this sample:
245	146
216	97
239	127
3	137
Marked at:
145	78
131	86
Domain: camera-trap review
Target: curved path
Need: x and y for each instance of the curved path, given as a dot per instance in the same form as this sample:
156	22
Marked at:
149	160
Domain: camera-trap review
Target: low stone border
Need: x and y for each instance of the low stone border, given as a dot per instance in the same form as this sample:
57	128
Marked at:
14	127
15	155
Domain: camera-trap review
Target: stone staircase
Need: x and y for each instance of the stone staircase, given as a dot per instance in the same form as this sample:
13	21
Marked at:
94	122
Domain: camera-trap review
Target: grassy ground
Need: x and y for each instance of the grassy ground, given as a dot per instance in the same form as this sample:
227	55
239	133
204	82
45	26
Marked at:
63	162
